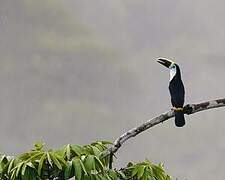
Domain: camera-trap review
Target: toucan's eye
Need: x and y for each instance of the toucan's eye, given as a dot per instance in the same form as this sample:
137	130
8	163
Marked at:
172	66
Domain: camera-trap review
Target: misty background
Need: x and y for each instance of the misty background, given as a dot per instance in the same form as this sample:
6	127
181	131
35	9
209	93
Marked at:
76	71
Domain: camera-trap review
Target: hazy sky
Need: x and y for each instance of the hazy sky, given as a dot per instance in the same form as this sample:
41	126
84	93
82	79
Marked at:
79	71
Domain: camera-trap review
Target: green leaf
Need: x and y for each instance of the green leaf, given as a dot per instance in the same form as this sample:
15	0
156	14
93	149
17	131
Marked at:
78	150
122	174
68	170
11	165
77	168
107	177
146	177
106	142
13	175
38	145
60	159
18	167
55	160
89	163
96	151
99	145
26	177
134	170
83	167
40	165
30	165
35	156
113	174
98	163
68	153
49	159
141	170
24	169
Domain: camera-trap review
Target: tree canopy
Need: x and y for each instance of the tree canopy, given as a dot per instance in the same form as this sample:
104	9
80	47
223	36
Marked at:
82	162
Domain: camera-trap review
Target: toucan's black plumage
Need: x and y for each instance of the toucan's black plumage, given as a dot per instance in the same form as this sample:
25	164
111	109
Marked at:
176	88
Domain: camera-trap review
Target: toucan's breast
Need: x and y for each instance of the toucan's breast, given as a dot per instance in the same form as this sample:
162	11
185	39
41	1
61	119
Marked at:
177	92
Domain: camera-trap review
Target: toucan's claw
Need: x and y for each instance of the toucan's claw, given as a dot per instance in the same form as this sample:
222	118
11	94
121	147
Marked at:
177	109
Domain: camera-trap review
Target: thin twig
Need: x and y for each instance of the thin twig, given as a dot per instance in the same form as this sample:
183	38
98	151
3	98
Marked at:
188	109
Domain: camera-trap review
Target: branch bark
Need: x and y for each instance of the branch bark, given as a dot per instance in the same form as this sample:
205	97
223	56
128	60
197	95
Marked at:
188	109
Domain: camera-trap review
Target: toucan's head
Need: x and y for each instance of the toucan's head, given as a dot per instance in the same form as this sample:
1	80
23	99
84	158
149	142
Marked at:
167	63
174	68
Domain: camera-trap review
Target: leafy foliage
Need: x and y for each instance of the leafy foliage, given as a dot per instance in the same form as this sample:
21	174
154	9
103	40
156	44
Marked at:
82	162
145	170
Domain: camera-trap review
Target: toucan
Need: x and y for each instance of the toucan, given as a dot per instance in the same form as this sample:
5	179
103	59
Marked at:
176	88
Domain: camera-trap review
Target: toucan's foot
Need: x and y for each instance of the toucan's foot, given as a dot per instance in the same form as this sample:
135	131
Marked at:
177	109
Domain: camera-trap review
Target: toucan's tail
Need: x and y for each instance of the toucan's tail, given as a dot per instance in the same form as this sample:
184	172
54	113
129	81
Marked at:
179	119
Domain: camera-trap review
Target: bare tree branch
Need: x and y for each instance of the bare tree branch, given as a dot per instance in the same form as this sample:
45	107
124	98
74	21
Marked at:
188	109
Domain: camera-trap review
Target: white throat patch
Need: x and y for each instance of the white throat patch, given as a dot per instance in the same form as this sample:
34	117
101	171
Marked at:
173	71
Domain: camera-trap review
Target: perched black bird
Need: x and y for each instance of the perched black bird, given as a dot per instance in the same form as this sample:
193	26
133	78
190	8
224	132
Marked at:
177	91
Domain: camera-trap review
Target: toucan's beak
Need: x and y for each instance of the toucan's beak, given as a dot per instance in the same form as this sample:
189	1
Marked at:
164	62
